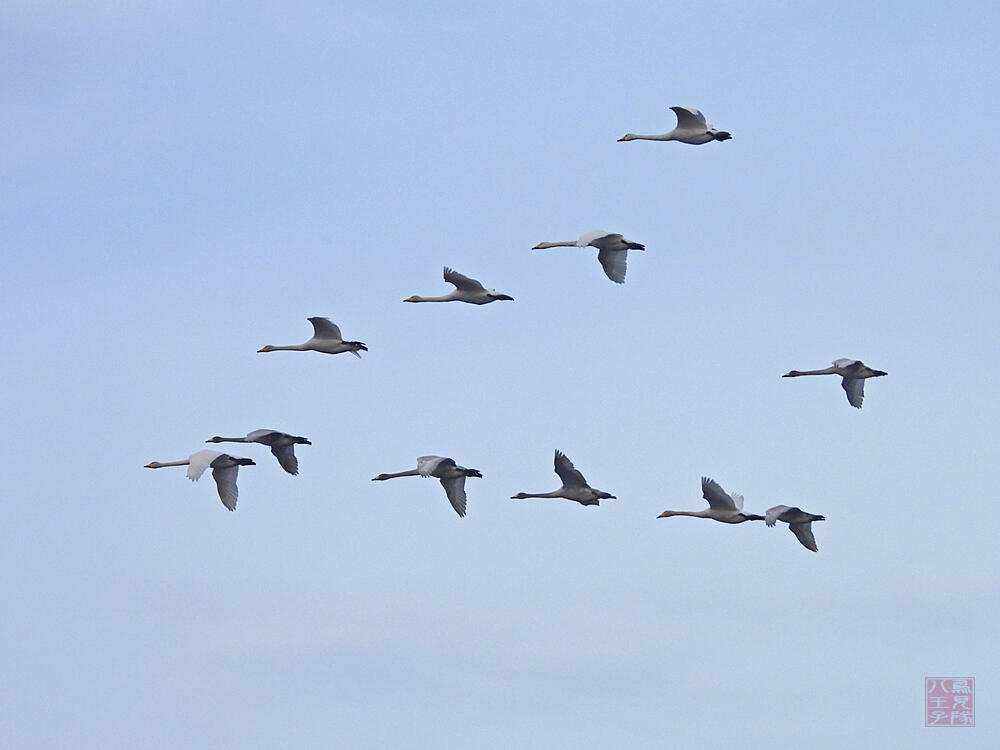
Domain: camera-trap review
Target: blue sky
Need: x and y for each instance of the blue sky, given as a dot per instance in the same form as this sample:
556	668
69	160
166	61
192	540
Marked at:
183	185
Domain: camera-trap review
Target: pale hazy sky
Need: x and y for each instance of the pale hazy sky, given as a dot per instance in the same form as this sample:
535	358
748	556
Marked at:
183	185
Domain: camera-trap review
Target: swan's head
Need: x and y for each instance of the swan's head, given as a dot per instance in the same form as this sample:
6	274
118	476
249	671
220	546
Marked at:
216	438
539	246
518	496
667	514
153	465
414	298
381	478
791	374
267	348
628	137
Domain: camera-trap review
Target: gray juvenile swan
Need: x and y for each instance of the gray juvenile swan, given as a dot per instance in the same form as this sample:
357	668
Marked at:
722	506
574	486
612	251
691	128
854	372
326	339
452	477
281	443
224	471
799	523
466	290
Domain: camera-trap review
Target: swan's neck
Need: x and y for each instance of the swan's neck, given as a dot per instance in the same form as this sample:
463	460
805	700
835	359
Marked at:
662	137
410	473
827	371
159	465
444	298
546	245
669	513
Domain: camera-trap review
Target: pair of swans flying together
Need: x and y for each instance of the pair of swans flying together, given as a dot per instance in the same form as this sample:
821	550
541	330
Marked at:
224	471
452	477
728	508
574	486
282	445
466	290
612	251
854	373
326	339
691	128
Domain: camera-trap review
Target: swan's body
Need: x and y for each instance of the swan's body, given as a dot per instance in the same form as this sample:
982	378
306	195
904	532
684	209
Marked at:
612	251
574	486
854	372
224	471
326	339
691	128
452	477
466	290
799	523
722	506
281	443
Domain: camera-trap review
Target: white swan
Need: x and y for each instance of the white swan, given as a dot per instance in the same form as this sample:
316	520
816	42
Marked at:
854	372
691	128
612	250
466	290
326	339
722	506
574	486
799	523
224	471
452	477
281	443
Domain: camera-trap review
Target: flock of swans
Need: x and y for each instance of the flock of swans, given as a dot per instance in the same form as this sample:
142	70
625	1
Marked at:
612	254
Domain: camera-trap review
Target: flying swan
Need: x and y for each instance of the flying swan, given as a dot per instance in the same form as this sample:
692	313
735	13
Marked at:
224	471
281	443
799	523
854	372
574	486
612	250
326	339
691	128
452	477
466	290
722	506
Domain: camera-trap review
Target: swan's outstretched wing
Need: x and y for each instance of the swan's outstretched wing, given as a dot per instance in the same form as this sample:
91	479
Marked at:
589	237
427	464
717	497
846	362
855	389
613	262
462	282
324	328
286	457
266	437
199	462
225	481
454	488
771	515
688	118
804	533
567	472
